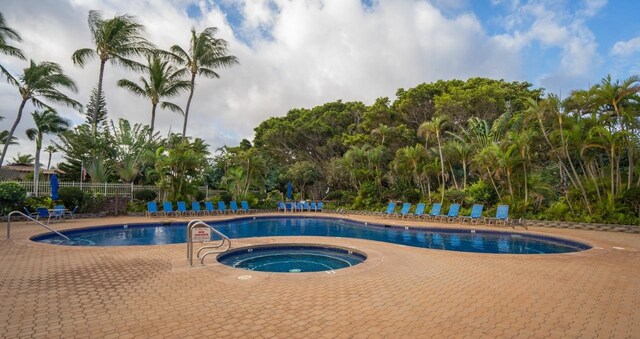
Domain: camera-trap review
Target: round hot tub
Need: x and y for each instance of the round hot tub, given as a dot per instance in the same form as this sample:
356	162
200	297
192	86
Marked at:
291	258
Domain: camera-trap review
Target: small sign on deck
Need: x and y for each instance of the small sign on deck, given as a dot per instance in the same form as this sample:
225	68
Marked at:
201	234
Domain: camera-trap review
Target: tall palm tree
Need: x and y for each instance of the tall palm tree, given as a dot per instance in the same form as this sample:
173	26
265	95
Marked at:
7	33
435	127
206	53
40	80
47	122
116	40
50	149
164	81
613	95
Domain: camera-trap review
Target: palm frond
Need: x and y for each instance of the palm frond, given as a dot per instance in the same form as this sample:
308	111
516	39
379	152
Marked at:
10	79
132	87
172	107
12	51
82	56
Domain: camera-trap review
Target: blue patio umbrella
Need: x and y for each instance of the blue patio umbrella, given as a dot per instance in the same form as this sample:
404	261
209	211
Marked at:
54	186
289	190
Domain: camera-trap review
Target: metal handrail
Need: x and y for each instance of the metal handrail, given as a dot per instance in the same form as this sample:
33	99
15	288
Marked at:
195	223
30	218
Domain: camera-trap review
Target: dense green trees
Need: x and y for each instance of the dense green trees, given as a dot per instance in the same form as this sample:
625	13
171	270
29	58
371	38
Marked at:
479	140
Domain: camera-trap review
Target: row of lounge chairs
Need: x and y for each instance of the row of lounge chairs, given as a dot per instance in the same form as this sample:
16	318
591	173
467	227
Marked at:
196	208
300	206
475	216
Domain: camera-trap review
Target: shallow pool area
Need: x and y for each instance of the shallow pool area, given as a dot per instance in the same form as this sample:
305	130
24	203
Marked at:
463	240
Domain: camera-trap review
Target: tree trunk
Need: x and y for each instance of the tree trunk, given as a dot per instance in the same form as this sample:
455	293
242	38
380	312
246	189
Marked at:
36	169
153	119
526	184
441	168
12	130
49	162
464	175
94	118
453	175
494	184
186	111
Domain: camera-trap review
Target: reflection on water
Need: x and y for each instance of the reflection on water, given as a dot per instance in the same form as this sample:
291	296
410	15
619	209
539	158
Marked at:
447	239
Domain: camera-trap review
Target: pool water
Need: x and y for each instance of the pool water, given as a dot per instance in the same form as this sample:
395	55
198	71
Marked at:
463	240
285	258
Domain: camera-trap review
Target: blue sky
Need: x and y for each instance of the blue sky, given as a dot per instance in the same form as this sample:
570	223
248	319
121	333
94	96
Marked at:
302	53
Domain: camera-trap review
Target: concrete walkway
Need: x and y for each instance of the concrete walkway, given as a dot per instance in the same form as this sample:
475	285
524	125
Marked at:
148	291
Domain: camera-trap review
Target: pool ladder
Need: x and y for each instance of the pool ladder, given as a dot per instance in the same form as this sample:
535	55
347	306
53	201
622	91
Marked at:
193	224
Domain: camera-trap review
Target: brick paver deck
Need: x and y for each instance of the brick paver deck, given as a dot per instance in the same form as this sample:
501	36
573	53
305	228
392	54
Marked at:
148	291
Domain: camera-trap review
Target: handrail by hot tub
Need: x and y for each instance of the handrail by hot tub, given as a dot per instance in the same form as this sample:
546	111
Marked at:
199	223
30	218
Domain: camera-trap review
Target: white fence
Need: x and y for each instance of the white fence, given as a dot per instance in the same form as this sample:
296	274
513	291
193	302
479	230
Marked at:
106	189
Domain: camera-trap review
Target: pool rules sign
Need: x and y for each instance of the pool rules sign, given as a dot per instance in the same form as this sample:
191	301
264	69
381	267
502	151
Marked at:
201	234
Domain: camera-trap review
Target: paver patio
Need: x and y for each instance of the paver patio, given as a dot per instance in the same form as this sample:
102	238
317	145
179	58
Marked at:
148	291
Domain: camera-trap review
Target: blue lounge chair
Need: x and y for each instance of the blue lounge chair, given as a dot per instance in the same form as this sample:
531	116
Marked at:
502	215
222	207
208	205
182	208
320	206
167	209
30	214
152	209
419	212
57	213
43	213
454	209
390	209
233	206
404	210
282	206
195	208
71	214
475	215
313	206
245	207
435	211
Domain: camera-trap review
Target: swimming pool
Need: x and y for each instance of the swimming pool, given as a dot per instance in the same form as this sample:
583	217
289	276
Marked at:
464	240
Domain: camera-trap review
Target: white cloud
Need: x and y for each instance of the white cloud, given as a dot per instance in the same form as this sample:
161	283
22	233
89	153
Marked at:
626	48
315	52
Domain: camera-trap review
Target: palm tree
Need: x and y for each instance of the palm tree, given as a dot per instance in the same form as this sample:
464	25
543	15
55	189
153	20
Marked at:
435	127
206	53
40	80
613	96
47	122
22	159
4	136
115	40
50	149
7	33
164	82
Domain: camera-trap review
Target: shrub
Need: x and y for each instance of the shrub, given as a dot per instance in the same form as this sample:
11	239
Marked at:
71	196
199	196
145	195
482	193
34	202
92	203
11	195
136	206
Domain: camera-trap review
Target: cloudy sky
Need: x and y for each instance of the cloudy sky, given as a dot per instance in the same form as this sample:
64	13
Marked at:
302	53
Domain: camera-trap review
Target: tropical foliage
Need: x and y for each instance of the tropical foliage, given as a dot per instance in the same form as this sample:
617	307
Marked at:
475	141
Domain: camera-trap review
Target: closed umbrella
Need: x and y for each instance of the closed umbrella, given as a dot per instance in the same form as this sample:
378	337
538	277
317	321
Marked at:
54	186
289	190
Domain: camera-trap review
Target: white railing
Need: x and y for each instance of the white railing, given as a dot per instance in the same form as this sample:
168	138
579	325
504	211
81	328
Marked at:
107	189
